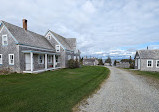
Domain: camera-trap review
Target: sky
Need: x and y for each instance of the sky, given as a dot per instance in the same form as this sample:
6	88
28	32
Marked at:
115	28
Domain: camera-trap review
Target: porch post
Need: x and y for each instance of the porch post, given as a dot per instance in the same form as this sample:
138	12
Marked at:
45	61
54	61
31	57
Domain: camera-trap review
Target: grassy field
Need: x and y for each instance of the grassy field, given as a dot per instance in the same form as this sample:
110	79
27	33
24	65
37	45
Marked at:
146	73
52	91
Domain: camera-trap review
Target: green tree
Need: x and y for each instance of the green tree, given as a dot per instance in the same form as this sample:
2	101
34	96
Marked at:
115	63
100	62
108	60
130	60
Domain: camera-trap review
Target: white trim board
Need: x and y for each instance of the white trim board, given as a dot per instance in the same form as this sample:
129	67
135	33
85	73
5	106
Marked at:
35	47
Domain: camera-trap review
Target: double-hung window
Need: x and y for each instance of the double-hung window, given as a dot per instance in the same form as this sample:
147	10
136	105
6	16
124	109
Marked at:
149	63
41	59
157	63
0	58
57	48
11	59
49	59
4	40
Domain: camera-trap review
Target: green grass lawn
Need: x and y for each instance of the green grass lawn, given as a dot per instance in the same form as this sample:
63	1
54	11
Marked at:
146	73
52	91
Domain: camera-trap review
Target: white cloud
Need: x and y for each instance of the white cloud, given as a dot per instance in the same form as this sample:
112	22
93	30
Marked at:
99	26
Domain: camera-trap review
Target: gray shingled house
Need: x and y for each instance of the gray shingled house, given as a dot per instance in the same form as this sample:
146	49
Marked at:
90	61
123	65
22	50
147	60
65	46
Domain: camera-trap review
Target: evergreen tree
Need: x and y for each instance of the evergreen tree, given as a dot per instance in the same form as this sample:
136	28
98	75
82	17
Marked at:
115	63
108	60
100	62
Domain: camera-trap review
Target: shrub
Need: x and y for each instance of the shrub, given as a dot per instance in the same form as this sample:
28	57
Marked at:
132	66
71	63
5	71
77	64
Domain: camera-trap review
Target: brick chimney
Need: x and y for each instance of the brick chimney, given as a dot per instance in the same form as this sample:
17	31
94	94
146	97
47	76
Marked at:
25	24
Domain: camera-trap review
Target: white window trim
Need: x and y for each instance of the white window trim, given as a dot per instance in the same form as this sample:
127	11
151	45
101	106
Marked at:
3	40
1	59
50	59
156	64
10	59
58	47
151	63
39	59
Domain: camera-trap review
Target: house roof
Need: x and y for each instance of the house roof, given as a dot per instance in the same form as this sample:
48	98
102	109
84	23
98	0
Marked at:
27	37
68	43
148	54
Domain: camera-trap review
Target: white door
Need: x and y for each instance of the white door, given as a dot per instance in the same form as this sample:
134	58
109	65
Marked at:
27	62
138	63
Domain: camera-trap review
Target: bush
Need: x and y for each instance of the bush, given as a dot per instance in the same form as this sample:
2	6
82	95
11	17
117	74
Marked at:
73	64
132	66
77	64
5	71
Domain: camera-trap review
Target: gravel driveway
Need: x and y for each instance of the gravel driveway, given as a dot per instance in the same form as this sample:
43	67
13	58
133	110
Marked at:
125	92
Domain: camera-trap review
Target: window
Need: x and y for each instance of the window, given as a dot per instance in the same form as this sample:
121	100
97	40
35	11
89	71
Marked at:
50	59
157	63
149	63
0	58
4	40
69	57
11	59
41	59
57	48
49	37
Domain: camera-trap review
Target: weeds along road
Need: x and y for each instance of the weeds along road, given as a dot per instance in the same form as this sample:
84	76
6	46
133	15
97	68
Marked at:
125	92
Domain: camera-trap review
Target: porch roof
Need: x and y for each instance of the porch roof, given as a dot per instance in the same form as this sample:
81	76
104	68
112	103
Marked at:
40	52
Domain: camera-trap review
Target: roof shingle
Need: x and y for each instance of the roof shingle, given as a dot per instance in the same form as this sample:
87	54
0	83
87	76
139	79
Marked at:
27	37
148	54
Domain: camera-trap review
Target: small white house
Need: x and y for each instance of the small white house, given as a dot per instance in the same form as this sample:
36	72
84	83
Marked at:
147	60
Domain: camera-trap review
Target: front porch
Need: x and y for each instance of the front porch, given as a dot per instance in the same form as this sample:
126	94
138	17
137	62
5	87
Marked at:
37	61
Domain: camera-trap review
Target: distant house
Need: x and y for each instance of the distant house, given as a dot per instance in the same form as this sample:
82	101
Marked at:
90	61
123	65
147	60
107	64
22	50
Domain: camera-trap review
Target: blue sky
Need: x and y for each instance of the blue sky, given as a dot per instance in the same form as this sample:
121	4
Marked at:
102	27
